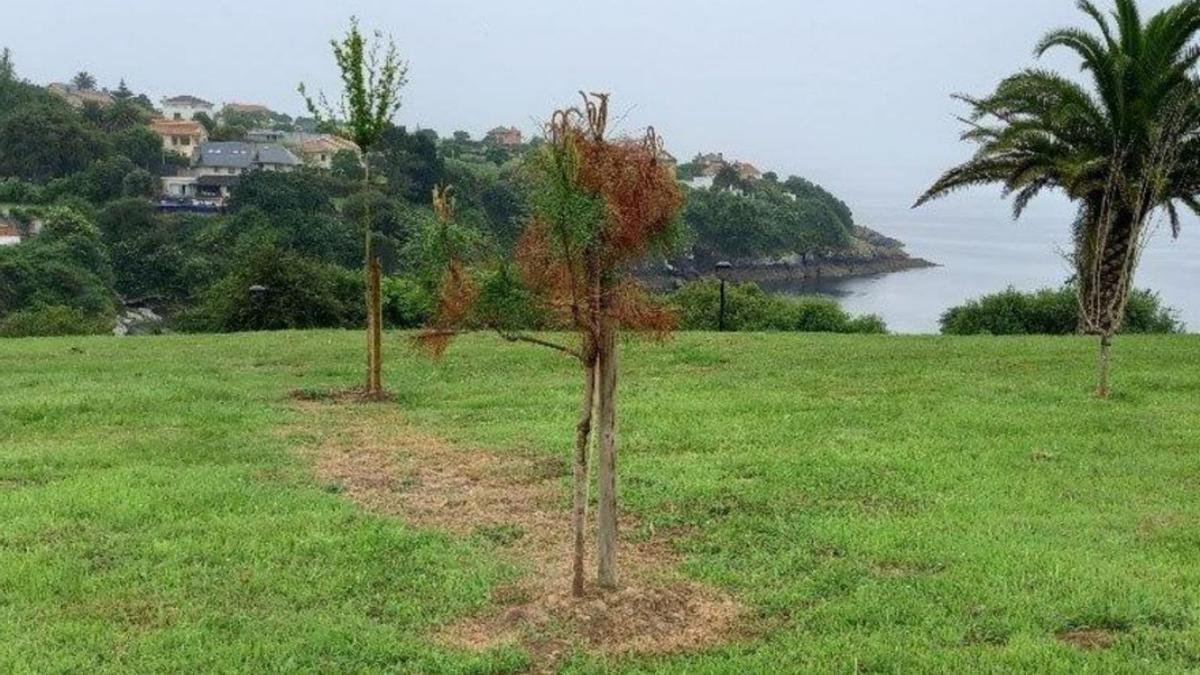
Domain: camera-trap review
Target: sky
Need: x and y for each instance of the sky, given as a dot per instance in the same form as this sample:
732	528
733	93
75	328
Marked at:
853	94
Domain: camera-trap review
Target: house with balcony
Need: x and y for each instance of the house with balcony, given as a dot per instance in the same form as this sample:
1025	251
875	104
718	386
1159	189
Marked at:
217	167
181	137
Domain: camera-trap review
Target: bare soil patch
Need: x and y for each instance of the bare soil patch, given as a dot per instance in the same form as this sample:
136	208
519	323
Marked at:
521	504
1088	639
349	395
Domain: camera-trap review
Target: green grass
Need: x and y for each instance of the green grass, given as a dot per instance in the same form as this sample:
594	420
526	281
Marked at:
895	504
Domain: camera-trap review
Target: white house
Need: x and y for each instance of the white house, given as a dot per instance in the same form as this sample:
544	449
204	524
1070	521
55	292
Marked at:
186	107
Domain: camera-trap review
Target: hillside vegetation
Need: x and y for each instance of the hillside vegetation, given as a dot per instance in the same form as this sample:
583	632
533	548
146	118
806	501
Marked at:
101	167
925	504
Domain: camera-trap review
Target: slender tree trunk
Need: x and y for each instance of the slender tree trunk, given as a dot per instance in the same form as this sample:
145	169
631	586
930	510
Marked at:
1102	389
368	258
607	464
370	316
377	325
583	433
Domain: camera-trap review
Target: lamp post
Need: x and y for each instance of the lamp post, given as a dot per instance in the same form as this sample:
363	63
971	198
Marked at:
722	268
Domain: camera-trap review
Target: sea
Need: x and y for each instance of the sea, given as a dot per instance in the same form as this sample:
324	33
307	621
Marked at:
976	256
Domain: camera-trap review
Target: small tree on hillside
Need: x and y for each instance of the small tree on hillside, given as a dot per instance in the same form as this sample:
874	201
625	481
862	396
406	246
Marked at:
372	77
599	205
7	71
122	92
84	81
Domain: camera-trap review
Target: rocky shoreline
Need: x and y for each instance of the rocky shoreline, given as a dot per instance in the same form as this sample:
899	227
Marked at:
869	253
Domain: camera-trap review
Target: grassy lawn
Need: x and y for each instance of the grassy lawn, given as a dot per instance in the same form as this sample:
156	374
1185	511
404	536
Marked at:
896	504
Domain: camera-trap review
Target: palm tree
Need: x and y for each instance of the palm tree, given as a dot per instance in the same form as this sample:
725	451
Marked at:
1122	149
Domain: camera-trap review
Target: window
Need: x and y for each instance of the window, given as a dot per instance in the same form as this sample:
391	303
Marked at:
185	140
178	116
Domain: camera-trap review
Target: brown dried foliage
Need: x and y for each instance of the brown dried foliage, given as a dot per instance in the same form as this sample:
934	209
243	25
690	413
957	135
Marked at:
458	291
578	282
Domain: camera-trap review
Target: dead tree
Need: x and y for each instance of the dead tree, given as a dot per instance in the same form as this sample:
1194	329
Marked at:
600	205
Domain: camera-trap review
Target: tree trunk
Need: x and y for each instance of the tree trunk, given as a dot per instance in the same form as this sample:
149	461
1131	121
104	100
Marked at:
583	433
368	257
377	326
607	465
1102	390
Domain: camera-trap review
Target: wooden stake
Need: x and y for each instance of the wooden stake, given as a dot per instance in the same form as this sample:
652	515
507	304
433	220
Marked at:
583	434
607	465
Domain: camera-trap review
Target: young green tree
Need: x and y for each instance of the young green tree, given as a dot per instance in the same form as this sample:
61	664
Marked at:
122	92
1122	150
372	76
6	65
84	80
599	205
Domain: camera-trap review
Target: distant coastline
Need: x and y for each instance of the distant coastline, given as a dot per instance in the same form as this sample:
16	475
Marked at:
870	253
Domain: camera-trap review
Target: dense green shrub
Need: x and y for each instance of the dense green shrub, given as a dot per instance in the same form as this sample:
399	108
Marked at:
506	304
65	265
299	293
406	303
749	308
17	191
1049	312
46	321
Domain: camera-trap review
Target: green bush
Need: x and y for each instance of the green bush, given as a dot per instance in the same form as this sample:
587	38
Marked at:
504	303
64	265
50	321
298	293
1049	312
16	191
749	308
406	303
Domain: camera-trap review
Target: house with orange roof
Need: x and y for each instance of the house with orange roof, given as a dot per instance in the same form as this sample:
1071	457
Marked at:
11	232
181	137
747	171
506	137
318	150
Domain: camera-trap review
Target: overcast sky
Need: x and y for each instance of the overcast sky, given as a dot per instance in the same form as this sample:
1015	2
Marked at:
853	94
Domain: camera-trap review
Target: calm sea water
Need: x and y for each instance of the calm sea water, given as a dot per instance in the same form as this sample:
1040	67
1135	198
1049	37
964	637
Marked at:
985	255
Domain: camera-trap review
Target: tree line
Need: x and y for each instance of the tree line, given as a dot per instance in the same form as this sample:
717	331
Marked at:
104	165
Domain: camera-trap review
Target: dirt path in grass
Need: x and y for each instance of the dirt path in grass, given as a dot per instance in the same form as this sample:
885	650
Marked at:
522	504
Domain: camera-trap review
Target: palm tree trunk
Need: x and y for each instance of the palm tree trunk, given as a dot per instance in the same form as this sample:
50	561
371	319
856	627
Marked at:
607	465
1102	389
583	433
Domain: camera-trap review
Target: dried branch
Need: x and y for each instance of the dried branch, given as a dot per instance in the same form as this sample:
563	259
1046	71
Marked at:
521	337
